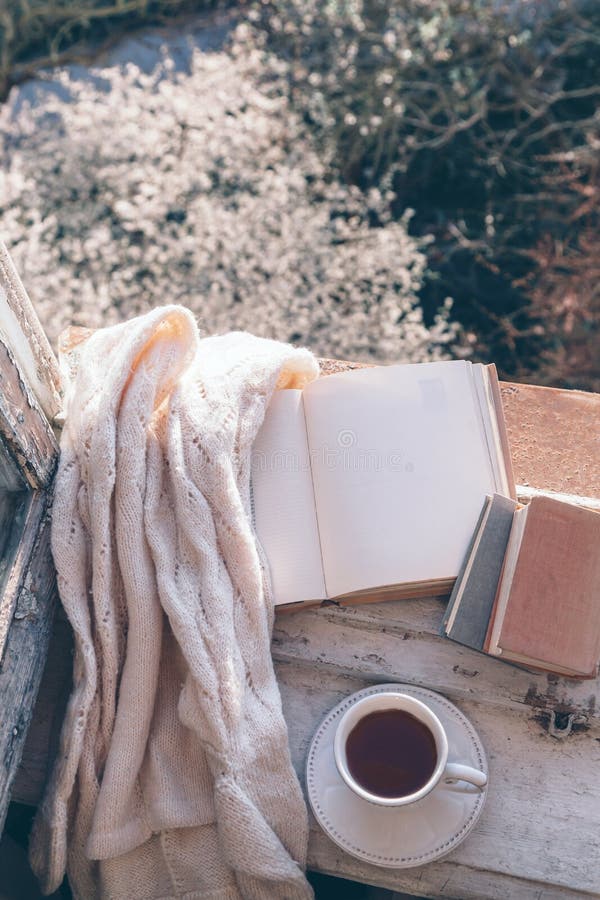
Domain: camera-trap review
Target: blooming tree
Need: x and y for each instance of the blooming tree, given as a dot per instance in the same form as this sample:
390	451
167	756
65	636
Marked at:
122	188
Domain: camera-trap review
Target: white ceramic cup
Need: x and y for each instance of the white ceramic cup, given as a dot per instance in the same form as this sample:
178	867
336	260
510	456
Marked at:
460	777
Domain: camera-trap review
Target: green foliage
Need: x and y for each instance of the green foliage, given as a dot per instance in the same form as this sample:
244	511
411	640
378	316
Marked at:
481	116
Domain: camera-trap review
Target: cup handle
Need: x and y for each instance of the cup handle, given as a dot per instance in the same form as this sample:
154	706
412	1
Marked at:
473	781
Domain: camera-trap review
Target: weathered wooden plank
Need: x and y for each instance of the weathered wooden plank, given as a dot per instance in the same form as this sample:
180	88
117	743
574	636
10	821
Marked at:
539	835
29	400
525	494
20	534
11	477
42	739
444	879
398	640
544	801
27	437
27	643
20	330
8	503
554	438
29	389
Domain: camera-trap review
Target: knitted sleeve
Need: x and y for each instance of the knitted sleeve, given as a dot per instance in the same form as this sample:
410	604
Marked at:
174	777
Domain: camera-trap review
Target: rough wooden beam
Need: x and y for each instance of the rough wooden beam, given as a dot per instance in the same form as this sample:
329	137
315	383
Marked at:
537	838
27	642
27	437
20	329
19	525
29	401
541	771
554	438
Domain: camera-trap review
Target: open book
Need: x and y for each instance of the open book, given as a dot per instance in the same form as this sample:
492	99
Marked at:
367	485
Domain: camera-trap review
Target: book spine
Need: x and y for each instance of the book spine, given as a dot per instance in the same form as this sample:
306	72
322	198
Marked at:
459	579
468	623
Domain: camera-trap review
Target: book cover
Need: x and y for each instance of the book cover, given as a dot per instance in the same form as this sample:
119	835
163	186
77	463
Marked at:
553	612
472	599
452	605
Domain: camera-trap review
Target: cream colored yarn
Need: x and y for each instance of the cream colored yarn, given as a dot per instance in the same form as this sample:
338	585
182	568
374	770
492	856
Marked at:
174	778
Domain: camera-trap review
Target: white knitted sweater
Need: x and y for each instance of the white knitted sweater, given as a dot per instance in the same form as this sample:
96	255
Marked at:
174	777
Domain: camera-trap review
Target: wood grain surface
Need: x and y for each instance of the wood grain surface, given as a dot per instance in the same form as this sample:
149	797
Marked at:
539	835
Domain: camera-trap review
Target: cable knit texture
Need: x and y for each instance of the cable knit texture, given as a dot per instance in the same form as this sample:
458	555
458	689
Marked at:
174	778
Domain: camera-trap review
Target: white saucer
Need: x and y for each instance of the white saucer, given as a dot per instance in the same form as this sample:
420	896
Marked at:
398	837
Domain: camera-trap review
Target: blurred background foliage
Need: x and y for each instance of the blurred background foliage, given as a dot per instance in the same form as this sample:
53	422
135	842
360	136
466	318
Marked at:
481	117
35	34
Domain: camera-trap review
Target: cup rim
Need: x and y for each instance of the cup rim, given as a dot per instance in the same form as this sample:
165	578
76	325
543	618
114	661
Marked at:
382	701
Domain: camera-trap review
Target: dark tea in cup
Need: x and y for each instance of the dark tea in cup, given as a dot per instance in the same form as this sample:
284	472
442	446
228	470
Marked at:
391	753
392	750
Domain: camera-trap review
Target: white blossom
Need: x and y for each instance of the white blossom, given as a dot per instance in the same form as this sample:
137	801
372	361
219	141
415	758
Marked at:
126	190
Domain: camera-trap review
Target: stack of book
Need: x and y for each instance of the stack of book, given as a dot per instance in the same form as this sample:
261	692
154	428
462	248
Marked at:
529	588
368	486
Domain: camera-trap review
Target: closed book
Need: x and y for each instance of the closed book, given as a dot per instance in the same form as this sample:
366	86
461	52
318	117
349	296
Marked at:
472	599
547	612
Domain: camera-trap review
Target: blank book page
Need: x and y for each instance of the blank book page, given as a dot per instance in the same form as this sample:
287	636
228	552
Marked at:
284	509
400	471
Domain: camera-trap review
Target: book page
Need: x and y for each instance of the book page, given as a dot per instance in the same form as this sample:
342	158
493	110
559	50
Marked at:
400	472
283	502
510	563
482	379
